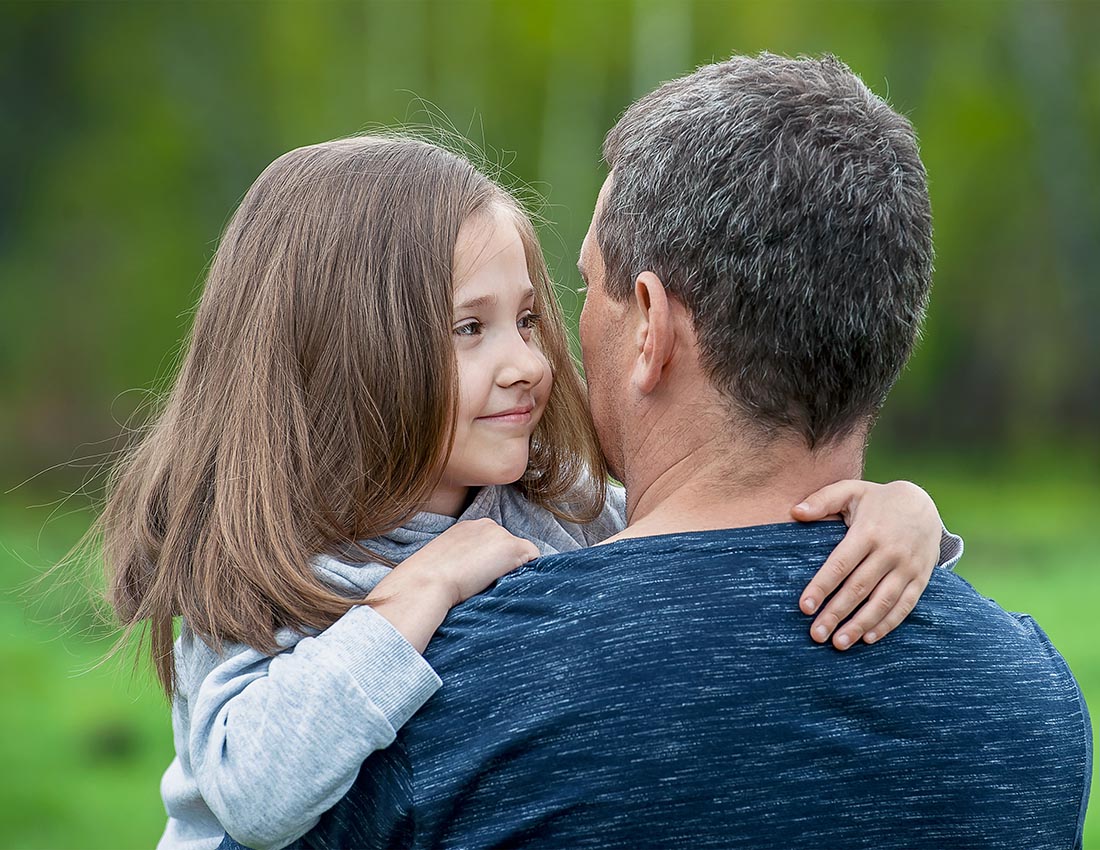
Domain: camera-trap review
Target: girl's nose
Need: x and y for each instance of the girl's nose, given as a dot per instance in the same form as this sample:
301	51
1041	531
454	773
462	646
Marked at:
521	363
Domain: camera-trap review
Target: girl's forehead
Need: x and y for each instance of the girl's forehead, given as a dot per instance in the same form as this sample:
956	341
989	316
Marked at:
489	253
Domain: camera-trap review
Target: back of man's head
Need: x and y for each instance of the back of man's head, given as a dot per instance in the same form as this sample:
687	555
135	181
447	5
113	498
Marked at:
786	206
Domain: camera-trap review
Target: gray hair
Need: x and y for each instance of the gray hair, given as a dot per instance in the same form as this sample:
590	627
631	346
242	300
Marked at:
786	206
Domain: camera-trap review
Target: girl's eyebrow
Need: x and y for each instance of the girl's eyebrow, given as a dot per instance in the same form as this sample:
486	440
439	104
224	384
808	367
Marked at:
481	301
489	300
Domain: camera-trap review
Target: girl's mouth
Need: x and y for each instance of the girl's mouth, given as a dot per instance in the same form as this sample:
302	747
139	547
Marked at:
513	416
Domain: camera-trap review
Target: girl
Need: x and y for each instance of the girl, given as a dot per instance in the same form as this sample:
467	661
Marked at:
377	352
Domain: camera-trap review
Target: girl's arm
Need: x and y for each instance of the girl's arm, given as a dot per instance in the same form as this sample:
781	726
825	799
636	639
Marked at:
274	742
885	561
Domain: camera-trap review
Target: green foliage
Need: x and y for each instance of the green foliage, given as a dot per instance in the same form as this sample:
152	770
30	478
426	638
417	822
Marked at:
141	124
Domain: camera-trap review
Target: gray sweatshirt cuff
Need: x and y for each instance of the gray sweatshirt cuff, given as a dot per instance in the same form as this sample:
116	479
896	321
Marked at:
392	675
951	550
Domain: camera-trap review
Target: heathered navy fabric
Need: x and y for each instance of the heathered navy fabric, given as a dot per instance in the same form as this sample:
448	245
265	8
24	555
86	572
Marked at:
664	692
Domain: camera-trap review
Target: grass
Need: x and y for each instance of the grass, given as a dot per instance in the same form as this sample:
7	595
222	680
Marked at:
85	742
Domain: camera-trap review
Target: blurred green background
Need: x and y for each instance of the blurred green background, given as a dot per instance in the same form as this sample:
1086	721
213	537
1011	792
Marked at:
131	129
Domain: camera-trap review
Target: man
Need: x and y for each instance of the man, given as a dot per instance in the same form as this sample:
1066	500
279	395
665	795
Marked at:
758	264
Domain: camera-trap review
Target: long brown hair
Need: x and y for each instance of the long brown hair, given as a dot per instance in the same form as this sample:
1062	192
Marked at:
315	403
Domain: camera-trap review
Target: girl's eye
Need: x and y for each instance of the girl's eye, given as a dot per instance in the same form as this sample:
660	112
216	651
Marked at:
530	321
470	328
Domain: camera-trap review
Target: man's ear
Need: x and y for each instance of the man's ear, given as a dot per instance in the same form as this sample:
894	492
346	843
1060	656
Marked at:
654	333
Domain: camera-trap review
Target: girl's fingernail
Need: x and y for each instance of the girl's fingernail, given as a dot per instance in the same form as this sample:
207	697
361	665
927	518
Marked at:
842	641
809	605
870	637
821	633
802	506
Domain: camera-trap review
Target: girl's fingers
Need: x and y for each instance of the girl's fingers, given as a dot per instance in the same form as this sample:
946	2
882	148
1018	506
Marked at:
904	607
848	555
871	613
855	589
832	499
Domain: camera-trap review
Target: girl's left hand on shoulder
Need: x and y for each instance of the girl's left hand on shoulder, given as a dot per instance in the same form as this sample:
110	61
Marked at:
884	561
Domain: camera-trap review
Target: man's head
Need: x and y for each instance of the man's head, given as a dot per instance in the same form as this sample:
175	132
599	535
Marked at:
784	207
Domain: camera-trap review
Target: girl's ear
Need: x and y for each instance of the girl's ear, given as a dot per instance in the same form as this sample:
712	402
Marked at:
654	335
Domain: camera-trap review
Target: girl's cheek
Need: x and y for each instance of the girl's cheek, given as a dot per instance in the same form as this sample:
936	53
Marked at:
547	383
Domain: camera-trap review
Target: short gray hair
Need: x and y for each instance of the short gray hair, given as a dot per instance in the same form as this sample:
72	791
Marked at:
786	206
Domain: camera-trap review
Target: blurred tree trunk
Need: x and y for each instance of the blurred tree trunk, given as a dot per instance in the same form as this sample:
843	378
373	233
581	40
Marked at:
1065	163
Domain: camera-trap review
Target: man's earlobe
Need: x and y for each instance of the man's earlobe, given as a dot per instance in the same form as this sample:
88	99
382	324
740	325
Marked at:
655	333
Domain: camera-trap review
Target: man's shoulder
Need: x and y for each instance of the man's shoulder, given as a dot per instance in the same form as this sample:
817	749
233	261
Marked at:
742	586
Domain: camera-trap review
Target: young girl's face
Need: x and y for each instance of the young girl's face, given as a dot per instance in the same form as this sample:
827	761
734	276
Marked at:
504	379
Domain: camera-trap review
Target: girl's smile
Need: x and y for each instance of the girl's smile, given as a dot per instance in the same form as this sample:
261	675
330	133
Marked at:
516	416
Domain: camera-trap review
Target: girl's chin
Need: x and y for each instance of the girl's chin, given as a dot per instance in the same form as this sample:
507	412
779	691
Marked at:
504	479
508	475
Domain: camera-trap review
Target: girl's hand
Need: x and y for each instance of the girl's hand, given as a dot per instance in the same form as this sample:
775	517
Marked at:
461	562
886	558
470	555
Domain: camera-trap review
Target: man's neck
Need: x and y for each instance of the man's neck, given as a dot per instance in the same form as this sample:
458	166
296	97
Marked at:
718	482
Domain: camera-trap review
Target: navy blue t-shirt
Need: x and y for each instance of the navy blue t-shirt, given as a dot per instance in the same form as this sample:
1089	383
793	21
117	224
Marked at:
664	691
